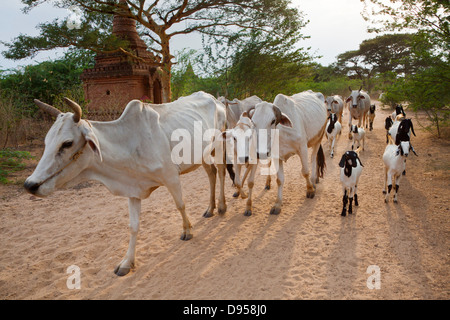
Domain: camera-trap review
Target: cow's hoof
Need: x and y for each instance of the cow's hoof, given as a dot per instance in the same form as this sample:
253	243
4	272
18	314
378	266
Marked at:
310	194
222	210
275	210
248	213
395	201
122	270
208	214
236	194
186	236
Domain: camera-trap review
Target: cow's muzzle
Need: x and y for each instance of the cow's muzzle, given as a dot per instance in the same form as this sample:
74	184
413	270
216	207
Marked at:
31	186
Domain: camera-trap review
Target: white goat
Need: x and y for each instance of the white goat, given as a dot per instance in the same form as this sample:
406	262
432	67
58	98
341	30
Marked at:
333	129
351	168
358	134
394	161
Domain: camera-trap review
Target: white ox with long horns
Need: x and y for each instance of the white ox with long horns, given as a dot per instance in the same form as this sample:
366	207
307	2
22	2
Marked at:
359	105
131	156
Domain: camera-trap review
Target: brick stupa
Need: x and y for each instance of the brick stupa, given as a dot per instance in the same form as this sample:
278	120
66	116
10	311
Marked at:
118	78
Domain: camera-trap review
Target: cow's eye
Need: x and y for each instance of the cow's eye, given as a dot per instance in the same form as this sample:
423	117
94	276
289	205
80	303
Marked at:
66	145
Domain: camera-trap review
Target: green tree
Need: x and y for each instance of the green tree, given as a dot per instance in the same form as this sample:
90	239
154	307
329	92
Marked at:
266	68
390	53
159	21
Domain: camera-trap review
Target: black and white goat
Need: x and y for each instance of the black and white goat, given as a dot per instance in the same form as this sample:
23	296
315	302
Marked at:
388	122
351	168
358	134
371	116
401	131
394	164
398	110
332	130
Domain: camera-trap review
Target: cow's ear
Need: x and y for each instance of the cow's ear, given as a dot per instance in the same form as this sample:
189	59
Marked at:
92	141
285	121
361	97
348	99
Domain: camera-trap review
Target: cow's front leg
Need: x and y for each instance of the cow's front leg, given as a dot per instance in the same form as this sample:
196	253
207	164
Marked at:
124	267
276	209
211	171
222	207
174	188
251	183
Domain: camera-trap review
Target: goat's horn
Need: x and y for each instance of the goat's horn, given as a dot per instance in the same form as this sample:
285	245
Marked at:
47	108
76	109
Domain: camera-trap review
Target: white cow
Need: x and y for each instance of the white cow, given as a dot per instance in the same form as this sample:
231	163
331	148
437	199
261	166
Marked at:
335	105
359	105
301	121
131	156
236	107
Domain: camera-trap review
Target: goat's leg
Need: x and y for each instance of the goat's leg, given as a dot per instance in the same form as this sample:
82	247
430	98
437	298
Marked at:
332	147
385	179
389	181
397	186
134	207
356	196
350	210
344	203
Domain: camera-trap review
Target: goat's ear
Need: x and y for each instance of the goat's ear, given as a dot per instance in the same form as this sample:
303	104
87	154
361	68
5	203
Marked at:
355	163
412	129
342	162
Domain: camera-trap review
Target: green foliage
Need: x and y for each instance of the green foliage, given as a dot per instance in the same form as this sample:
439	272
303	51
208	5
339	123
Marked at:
11	161
45	81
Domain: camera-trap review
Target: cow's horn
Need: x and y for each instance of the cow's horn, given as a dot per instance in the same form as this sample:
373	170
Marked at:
76	109
47	108
360	88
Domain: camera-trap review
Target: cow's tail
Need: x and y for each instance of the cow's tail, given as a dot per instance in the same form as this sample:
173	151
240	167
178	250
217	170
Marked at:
321	165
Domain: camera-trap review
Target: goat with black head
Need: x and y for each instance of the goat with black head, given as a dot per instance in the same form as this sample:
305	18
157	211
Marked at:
351	168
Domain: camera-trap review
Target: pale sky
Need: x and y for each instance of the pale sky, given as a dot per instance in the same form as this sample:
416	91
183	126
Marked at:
335	26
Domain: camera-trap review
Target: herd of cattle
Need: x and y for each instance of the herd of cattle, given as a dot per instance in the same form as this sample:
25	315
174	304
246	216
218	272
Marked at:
133	155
